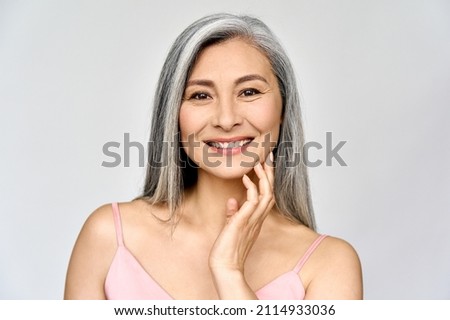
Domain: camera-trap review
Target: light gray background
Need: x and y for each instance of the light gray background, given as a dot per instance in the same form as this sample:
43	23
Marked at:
77	74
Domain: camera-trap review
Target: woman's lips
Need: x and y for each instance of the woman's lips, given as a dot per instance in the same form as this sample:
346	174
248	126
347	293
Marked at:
229	146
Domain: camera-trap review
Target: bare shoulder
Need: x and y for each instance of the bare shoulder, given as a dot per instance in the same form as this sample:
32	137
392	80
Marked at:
337	256
334	271
331	271
91	256
141	219
99	230
99	224
338	249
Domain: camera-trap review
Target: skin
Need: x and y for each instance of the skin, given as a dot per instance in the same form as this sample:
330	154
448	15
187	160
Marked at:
227	244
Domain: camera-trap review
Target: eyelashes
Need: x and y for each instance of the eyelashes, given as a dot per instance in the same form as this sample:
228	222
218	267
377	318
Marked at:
249	92
203	95
199	96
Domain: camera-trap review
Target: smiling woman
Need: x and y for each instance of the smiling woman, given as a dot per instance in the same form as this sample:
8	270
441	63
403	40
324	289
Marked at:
226	217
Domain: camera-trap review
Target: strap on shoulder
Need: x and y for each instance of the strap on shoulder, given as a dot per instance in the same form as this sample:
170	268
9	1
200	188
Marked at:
308	253
117	223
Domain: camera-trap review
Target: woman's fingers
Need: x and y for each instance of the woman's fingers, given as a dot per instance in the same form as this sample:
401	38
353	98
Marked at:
252	190
269	168
260	199
264	185
263	199
266	180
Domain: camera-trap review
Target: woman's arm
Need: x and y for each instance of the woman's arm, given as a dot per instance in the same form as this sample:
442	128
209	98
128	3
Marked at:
91	257
337	274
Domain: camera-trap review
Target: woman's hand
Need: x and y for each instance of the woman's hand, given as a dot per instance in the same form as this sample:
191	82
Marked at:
232	246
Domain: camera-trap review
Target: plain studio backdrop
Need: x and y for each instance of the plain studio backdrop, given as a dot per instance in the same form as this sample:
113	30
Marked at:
75	75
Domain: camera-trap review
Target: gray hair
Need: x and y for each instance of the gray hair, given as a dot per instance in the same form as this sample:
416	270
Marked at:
166	176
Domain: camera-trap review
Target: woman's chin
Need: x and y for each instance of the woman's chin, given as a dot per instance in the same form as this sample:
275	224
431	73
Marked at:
229	173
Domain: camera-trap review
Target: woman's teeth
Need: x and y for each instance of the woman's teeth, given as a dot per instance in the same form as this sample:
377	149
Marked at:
229	145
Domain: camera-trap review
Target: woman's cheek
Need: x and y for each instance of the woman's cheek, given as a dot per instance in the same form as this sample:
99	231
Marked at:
183	122
266	117
190	123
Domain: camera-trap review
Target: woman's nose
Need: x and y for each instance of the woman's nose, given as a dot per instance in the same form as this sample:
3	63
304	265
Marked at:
227	115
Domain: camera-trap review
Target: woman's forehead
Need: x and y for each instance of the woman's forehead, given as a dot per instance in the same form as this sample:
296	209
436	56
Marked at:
232	57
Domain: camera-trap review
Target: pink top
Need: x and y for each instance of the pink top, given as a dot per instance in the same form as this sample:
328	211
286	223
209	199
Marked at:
127	279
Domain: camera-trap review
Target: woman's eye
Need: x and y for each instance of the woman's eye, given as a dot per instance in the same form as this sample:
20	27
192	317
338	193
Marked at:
250	92
199	96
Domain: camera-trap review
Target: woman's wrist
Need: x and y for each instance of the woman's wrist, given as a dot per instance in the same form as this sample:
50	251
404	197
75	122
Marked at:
231	285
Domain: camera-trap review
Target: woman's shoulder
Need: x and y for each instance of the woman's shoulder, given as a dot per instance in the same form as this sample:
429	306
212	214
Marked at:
336	256
334	271
331	267
328	246
91	256
334	248
100	228
102	218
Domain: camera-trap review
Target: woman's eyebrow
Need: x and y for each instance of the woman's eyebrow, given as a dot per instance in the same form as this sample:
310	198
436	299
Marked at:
250	77
209	83
200	82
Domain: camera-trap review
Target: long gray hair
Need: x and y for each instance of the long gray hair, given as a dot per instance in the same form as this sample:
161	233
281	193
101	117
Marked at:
170	171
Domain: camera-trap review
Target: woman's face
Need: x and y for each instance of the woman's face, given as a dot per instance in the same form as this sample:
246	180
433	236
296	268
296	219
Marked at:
231	111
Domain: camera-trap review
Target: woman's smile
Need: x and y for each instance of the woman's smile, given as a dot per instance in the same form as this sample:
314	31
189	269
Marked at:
229	146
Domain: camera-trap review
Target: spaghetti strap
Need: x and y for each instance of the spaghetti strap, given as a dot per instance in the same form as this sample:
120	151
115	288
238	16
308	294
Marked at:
308	253
117	224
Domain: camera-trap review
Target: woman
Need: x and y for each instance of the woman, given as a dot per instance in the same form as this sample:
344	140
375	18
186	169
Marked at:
226	210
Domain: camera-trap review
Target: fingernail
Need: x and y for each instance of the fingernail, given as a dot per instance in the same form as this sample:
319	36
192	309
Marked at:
271	156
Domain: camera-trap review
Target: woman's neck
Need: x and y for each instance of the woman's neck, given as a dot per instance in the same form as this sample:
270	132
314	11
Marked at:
205	203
